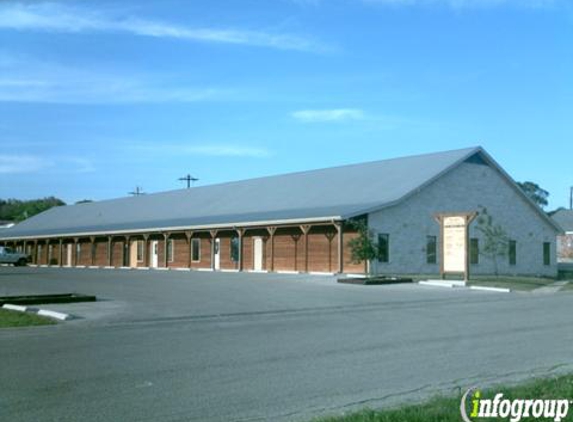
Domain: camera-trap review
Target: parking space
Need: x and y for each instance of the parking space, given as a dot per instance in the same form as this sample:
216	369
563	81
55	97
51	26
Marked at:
126	295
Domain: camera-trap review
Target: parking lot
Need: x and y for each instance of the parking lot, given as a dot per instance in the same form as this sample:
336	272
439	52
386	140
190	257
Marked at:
179	346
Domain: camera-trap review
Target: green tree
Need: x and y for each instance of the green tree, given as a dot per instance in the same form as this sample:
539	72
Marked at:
496	240
535	193
364	247
18	210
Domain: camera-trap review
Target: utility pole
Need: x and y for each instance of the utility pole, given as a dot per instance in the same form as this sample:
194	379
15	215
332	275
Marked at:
138	191
189	179
571	198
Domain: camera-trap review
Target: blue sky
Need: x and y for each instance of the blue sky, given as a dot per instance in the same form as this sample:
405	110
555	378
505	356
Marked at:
98	97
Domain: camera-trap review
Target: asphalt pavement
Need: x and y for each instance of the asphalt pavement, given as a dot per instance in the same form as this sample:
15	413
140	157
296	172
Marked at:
192	346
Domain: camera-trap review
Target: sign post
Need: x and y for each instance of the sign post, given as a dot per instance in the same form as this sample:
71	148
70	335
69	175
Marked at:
454	243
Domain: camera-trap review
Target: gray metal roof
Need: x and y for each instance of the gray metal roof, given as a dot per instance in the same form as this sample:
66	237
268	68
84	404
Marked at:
332	193
565	219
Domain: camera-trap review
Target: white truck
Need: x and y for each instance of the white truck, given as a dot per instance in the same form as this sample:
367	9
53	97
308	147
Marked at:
9	256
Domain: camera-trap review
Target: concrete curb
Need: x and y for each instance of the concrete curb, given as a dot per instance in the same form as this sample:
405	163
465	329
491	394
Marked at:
53	314
491	289
439	284
18	308
42	312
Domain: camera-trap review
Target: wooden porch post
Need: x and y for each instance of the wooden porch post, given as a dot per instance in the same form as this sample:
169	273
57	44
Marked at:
47	260
35	256
240	233
75	252
109	251
330	237
305	229
60	253
189	236
126	256
295	238
146	250
272	230
165	254
340	230
213	234
92	250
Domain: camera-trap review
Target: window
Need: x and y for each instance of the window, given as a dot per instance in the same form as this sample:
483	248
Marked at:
512	252
170	248
140	245
546	253
474	251
383	247
196	250
235	249
431	248
39	251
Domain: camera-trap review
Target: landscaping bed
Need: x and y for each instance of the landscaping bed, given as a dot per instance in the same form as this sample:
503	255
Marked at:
46	299
374	281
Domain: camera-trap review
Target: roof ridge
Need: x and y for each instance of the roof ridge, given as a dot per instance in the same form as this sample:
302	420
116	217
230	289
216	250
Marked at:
294	173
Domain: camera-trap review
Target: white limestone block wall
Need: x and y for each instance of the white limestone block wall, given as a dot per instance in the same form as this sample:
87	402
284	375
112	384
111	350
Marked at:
464	189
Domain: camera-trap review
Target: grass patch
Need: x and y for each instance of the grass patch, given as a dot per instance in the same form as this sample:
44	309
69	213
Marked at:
447	409
21	319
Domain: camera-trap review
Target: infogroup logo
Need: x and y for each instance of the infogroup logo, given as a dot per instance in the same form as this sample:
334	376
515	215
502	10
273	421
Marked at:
515	409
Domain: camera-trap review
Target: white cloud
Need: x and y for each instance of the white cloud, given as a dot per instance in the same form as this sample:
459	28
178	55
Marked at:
15	163
27	80
226	151
331	115
211	150
58	18
471	4
29	163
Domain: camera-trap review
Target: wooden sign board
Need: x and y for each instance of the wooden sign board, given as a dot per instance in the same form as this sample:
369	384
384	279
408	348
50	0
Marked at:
454	243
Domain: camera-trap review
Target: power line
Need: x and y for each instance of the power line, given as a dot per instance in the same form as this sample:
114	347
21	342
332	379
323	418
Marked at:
189	179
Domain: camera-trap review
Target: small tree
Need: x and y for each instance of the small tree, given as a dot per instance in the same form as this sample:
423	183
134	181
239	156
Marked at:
364	247
496	240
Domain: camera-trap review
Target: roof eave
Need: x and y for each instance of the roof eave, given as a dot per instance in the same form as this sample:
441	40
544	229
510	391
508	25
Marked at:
203	227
